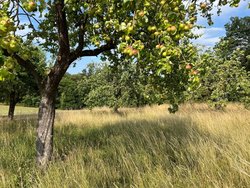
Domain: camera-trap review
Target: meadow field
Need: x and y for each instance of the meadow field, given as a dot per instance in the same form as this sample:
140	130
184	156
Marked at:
145	147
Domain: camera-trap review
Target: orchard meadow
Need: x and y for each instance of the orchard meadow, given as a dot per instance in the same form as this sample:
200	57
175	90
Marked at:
156	109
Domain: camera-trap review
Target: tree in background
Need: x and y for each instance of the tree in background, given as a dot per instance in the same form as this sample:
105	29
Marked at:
68	93
14	90
120	86
96	86
17	84
237	38
131	83
225	69
222	80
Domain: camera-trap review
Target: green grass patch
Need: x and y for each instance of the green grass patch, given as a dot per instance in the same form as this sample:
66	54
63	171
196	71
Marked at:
20	110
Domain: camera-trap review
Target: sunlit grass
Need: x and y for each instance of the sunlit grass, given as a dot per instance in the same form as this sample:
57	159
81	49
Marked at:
146	147
20	110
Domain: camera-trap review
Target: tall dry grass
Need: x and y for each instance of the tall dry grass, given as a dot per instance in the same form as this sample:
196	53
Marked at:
146	147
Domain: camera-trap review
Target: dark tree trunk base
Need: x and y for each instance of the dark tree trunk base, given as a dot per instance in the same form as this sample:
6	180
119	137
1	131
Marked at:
12	105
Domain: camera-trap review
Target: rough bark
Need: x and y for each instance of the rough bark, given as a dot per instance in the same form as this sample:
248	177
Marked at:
44	142
12	105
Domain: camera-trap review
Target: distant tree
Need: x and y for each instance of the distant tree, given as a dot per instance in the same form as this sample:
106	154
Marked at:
14	79
222	80
131	84
237	37
94	88
14	89
115	85
68	95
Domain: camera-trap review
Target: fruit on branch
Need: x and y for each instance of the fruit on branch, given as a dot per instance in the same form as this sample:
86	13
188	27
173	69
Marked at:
163	2
194	72
10	43
97	43
6	25
159	46
152	28
188	66
203	5
30	6
13	46
141	13
172	29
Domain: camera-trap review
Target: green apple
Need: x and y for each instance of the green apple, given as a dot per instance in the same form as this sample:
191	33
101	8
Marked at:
127	38
162	2
147	4
130	29
164	54
13	46
32	6
97	43
181	26
96	26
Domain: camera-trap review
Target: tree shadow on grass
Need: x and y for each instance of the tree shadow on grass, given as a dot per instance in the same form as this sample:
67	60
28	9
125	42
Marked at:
165	138
19	124
163	141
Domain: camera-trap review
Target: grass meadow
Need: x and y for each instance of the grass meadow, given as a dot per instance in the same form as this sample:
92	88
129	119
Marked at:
145	147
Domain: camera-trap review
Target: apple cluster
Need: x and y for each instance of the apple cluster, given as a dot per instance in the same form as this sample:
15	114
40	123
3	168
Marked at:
30	6
133	49
10	42
6	25
7	40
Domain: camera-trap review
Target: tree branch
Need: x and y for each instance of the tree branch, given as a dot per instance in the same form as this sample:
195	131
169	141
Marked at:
82	26
62	62
93	52
28	66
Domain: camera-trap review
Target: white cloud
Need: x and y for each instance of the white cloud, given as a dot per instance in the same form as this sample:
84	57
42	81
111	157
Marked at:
208	31
212	35
209	36
24	31
207	42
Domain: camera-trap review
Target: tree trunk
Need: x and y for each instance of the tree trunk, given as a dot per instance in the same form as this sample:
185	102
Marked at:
12	105
44	142
115	109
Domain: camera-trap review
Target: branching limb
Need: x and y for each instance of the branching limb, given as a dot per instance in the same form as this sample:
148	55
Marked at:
28	66
94	52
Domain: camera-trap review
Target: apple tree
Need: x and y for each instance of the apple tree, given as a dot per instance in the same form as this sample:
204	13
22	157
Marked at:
147	31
